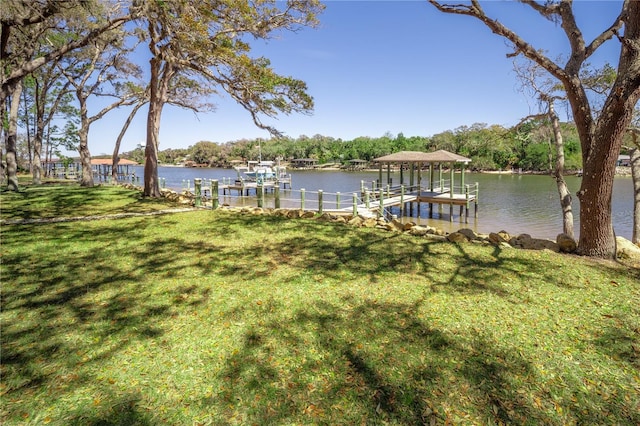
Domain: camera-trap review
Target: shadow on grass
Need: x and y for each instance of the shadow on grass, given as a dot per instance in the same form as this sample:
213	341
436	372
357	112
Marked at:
37	202
374	364
119	410
110	282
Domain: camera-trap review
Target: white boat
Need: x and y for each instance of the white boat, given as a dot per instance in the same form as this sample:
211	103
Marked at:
260	171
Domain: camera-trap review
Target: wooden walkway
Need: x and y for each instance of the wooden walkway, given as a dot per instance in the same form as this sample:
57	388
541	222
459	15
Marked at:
439	196
369	203
245	187
374	206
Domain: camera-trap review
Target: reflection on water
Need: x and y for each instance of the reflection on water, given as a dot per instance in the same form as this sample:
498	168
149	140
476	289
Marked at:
514	203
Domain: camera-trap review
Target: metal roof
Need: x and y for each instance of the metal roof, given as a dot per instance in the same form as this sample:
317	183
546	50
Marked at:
440	156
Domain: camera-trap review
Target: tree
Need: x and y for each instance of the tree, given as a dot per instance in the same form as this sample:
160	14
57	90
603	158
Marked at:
600	136
35	33
205	44
115	157
11	138
51	97
205	152
533	80
98	70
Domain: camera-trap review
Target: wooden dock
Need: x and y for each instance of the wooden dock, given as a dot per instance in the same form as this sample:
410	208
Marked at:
463	200
375	202
245	187
438	196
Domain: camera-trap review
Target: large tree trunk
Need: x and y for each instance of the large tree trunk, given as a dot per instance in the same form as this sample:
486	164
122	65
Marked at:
156	102
85	160
597	237
85	155
28	129
12	139
37	141
37	160
563	190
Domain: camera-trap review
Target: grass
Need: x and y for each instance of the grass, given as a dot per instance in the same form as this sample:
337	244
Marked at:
55	200
218	318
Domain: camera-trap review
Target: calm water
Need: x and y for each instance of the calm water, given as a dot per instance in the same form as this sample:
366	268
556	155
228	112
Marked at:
515	203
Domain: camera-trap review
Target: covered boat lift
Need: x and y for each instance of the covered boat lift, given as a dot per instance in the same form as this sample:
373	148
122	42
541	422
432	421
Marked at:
439	190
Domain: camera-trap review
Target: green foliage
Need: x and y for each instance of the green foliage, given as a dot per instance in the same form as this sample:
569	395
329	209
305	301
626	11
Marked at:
489	147
213	318
205	152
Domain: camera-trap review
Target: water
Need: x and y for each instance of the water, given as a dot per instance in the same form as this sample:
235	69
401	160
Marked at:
515	203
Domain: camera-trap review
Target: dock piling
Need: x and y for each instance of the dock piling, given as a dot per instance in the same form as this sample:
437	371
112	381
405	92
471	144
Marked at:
215	202
197	182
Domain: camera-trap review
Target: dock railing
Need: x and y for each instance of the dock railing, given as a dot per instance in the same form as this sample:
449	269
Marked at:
372	200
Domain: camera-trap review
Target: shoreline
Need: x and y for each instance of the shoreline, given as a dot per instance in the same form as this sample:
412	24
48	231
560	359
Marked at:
620	170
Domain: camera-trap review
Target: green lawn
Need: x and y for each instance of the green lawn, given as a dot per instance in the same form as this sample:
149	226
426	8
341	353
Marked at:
220	318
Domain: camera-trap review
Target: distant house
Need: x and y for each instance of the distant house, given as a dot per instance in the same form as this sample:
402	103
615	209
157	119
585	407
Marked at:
358	164
303	163
70	168
624	161
108	162
102	169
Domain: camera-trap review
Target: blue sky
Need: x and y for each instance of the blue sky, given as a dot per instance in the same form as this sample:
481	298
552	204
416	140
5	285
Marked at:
384	66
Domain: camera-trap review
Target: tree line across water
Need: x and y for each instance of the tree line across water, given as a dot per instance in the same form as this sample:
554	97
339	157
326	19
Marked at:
490	147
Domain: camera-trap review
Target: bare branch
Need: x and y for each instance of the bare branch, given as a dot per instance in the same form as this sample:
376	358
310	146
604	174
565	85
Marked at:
498	28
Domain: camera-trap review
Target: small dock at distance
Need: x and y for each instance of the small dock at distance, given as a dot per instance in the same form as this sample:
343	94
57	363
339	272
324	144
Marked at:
245	187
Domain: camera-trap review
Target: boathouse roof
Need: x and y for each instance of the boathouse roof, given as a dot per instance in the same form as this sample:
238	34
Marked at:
107	161
440	156
96	161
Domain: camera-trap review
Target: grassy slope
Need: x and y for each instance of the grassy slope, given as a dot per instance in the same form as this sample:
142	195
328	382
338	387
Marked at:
229	319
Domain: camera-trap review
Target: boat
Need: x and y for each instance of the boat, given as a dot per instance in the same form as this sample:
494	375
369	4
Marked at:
260	171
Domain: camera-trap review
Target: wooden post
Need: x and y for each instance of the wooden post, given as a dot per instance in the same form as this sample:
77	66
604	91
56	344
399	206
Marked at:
466	193
260	195
412	167
215	202
401	200
320	200
452	178
355	204
451	191
276	194
337	201
366	199
476	201
381	203
197	182
302	191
